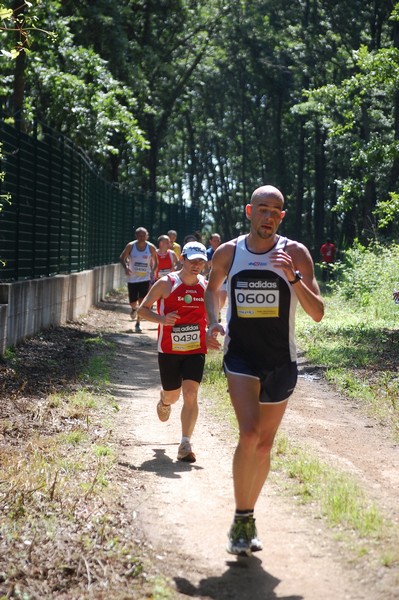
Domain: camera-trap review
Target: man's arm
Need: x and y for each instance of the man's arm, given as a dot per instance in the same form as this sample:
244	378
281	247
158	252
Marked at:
160	289
154	256
207	269
297	258
175	260
123	259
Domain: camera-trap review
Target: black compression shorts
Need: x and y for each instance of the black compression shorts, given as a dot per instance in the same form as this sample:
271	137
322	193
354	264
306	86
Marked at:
175	368
138	291
276	384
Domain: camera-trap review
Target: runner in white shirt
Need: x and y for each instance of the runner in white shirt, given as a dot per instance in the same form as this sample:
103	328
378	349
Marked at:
139	259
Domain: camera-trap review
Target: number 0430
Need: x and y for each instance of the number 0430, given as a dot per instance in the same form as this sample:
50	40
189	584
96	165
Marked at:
186	337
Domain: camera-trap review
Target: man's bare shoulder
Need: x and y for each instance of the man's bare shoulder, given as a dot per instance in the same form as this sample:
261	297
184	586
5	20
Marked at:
160	289
223	256
227	248
294	247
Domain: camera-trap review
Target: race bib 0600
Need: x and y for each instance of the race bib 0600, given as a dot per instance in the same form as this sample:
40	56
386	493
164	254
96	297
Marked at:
257	298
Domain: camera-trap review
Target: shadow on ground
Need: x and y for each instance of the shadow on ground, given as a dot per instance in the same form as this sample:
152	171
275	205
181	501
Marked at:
244	579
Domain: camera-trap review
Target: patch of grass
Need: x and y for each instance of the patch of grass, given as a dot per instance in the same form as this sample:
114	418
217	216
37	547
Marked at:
340	498
54	400
75	437
161	589
9	354
64	523
102	450
359	355
357	342
80	404
97	371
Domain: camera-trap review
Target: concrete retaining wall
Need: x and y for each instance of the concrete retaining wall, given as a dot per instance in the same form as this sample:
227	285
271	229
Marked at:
27	307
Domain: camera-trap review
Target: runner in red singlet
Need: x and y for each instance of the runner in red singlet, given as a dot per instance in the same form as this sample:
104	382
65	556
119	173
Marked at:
181	318
167	259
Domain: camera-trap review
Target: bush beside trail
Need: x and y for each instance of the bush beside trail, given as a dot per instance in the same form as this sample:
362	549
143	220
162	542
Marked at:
356	345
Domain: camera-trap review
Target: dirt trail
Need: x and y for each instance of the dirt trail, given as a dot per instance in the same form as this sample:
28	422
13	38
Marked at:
185	510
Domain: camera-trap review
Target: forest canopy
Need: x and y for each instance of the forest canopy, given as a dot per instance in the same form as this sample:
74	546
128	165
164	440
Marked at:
201	101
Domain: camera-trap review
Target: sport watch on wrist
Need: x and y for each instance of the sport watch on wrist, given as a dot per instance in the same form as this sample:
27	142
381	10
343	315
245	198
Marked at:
298	277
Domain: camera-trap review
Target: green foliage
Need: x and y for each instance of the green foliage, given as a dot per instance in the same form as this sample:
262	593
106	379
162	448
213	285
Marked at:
86	103
357	342
23	21
358	115
387	210
204	100
368	275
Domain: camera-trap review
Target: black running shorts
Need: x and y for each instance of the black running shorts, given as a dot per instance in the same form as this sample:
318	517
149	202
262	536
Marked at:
175	368
138	291
276	384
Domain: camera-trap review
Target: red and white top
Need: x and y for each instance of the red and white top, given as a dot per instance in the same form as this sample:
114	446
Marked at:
187	335
165	264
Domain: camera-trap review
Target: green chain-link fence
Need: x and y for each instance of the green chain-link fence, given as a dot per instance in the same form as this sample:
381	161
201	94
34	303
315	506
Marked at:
63	216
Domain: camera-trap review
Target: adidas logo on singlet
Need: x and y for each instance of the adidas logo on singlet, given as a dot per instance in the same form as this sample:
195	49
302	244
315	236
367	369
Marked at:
270	285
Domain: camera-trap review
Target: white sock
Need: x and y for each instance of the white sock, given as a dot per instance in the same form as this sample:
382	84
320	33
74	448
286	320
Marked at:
185	439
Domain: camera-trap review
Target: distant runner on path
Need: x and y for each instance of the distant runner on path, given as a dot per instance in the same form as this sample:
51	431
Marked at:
214	242
167	259
139	258
267	275
181	319
172	234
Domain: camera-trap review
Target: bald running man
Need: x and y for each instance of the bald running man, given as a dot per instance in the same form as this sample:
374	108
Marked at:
268	275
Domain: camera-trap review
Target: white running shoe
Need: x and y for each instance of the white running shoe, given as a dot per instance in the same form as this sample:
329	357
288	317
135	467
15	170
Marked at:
254	542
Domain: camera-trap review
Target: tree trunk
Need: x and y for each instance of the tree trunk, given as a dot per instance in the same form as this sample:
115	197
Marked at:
300	183
394	175
19	75
320	176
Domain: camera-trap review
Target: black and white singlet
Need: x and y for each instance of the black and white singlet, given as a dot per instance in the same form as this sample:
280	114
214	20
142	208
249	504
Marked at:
261	310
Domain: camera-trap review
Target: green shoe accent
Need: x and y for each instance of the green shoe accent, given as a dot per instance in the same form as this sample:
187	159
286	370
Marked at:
239	542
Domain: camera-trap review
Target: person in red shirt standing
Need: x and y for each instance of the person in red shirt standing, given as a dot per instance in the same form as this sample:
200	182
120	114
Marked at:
327	252
167	259
181	319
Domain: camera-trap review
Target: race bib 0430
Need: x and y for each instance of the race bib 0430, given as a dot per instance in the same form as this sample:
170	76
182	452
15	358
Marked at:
186	338
257	298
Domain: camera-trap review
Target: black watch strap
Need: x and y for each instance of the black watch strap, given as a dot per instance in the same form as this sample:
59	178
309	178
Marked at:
298	277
